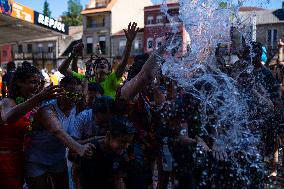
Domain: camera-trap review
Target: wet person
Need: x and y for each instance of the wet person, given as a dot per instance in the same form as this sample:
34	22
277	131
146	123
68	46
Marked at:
45	164
106	168
268	86
138	109
16	120
93	122
102	68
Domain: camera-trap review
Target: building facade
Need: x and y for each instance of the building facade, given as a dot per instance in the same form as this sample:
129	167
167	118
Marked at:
104	18
45	52
5	54
267	25
119	42
157	27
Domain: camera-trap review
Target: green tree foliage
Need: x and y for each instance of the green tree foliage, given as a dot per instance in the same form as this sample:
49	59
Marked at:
73	16
46	10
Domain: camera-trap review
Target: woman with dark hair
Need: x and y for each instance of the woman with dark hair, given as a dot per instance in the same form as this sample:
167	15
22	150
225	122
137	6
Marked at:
16	121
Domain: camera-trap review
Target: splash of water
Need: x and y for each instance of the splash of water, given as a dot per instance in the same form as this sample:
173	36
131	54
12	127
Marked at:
224	106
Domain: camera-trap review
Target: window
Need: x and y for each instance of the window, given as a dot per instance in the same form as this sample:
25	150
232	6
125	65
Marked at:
89	45
102	44
150	20
20	48
158	42
40	47
30	48
95	21
122	43
4	54
272	37
50	47
149	44
121	46
138	46
159	19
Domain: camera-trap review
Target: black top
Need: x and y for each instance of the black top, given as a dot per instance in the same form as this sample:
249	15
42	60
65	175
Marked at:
100	171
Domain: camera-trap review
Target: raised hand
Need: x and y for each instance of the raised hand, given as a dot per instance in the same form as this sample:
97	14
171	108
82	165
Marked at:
132	31
86	150
50	92
219	152
202	143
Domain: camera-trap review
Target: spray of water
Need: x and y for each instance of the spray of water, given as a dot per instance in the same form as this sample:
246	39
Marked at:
224	106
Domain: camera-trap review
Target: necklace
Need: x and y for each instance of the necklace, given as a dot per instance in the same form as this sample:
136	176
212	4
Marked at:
28	119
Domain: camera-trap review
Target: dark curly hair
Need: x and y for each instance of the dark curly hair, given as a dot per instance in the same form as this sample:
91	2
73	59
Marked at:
120	126
22	73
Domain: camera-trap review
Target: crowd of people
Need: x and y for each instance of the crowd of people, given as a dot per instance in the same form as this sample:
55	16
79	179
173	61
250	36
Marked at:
123	134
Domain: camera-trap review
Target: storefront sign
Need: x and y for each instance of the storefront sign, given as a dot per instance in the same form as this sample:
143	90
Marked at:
50	23
23	13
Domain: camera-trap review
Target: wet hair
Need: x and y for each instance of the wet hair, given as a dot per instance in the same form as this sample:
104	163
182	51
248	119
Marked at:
104	104
136	67
99	60
21	73
70	80
96	87
11	66
120	126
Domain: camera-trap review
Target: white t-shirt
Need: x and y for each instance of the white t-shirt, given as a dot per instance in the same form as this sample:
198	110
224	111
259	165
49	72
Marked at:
85	126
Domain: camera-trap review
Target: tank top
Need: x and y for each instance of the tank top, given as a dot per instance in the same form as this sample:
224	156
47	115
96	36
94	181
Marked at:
44	148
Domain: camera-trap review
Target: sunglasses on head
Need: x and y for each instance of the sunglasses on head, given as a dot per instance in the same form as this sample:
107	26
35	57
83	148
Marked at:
72	95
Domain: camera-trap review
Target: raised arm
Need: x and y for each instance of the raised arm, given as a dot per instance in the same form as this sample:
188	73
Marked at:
144	77
64	67
48	119
74	64
11	112
130	34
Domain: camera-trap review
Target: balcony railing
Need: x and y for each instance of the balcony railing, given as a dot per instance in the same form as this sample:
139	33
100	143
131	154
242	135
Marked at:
95	25
35	55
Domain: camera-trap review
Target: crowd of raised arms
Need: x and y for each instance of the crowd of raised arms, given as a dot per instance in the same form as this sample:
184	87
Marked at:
140	132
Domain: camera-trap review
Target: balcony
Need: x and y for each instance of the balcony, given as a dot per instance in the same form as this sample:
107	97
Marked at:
35	56
95	25
95	21
23	56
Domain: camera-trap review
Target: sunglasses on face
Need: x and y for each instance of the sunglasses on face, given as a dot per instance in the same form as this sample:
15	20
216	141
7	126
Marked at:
72	95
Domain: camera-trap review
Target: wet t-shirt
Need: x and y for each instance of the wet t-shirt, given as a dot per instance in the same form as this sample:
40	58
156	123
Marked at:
101	170
144	148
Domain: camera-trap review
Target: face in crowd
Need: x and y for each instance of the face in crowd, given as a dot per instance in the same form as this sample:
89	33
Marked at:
102	69
29	86
120	134
73	91
25	82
